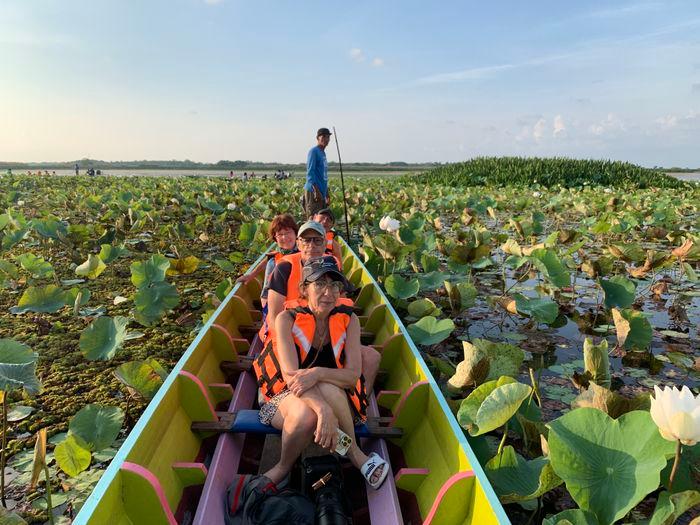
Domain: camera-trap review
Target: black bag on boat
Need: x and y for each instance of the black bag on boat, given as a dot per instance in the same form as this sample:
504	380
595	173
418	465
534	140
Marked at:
254	500
322	480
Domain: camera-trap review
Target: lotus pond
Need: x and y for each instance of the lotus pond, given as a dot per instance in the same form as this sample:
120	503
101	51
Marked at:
546	313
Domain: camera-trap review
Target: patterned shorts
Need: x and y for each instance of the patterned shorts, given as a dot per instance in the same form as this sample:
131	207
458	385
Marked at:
269	409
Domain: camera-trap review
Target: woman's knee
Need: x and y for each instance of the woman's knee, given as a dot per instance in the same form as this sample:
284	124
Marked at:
301	419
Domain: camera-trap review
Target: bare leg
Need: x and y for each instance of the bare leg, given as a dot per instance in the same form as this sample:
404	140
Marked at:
370	366
298	423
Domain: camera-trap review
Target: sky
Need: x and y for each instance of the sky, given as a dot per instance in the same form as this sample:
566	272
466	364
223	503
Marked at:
409	81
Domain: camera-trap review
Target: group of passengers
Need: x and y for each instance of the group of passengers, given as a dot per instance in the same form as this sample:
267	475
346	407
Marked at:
313	372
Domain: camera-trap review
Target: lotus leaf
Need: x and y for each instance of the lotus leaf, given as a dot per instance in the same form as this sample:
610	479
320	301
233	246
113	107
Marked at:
596	362
542	309
150	271
633	329
430	331
516	479
462	295
72	296
612	403
17	367
152	302
184	266
619	292
572	517
608	465
91	268
37	266
8	269
104	336
551	267
97	426
10	239
466	416
10	518
499	406
49	228
225	265
400	288
109	253
670	507
143	377
432	281
247	233
46	299
422	307
71	457
628	252
430	263
18	413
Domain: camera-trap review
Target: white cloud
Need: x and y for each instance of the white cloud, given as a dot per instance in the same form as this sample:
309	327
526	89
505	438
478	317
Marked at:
609	125
539	129
378	62
559	126
356	55
689	120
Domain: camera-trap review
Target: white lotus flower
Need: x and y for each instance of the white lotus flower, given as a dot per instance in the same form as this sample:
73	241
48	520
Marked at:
20	203
607	190
388	224
231	206
677	414
536	194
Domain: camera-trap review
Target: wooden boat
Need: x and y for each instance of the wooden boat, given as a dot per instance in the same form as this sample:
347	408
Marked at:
173	470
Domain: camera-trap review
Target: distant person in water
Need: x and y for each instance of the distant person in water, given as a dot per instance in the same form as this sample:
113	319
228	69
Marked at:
77	169
316	188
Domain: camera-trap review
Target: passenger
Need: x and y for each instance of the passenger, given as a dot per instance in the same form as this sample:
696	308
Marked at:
310	375
326	217
284	286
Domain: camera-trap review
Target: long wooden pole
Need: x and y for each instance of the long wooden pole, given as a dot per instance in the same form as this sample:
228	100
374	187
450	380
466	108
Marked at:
342	184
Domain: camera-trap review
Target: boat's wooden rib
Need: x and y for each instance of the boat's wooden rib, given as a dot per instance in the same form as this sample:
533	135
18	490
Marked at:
169	471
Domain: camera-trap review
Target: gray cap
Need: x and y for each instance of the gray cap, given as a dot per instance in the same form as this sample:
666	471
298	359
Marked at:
312	225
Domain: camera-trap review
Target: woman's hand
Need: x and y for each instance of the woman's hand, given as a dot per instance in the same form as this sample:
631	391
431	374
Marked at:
326	434
245	279
302	380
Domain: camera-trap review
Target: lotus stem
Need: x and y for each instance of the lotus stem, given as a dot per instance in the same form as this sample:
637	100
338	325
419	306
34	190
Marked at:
503	439
4	446
48	492
535	386
676	461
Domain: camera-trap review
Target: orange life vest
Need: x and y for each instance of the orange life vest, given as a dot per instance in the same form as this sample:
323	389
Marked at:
267	367
330	239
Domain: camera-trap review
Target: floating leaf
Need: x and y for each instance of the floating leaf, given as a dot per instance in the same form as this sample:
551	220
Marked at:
152	302
10	518
516	479
37	266
608	465
72	295
432	281
49	228
619	292
542	309
17	367
150	271
91	268
612	403
247	233
71	457
484	361
143	377
422	307
633	329
400	288
41	299
462	295
96	425
225	265
430	331
184	266
104	336
18	413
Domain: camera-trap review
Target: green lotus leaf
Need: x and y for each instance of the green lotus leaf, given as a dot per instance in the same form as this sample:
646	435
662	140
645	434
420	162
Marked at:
151	271
462	295
633	329
596	362
400	288
49	228
72	295
109	253
41	299
516	479
469	407
551	267
71	457
430	331
10	518
18	367
690	272
505	359
430	263
630	252
11	239
152	302
687	471
500	405
8	269
96	426
37	266
225	265
104	336
18	413
184	266
432	281
422	307
572	517
608	465
91	268
670	507
247	233
143	377
542	309
619	291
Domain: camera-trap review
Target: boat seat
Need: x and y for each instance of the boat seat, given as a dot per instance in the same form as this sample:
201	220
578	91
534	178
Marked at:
248	422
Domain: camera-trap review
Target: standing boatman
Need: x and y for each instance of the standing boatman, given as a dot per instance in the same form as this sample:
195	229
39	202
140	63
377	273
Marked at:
316	195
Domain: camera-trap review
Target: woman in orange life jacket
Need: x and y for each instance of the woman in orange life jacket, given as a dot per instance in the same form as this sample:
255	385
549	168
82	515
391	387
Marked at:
284	286
327	219
310	375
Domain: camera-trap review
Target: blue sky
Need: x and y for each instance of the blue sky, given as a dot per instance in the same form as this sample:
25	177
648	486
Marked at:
411	80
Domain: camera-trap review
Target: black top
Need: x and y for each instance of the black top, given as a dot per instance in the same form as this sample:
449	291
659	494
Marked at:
325	357
280	276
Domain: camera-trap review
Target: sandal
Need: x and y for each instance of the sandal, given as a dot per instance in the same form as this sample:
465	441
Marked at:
374	461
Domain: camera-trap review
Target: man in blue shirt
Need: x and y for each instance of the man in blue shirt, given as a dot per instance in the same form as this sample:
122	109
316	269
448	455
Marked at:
316	188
